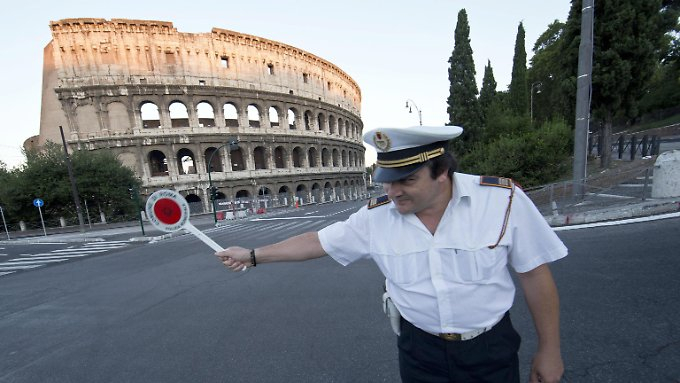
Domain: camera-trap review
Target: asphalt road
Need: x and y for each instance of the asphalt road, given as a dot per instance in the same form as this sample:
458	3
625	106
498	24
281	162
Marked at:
169	312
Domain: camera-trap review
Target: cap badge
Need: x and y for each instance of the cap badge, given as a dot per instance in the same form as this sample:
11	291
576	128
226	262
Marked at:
381	141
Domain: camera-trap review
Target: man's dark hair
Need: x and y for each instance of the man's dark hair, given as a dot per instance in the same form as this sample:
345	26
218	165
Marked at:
444	163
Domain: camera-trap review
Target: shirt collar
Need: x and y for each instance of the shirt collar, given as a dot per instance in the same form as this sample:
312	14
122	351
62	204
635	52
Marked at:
460	188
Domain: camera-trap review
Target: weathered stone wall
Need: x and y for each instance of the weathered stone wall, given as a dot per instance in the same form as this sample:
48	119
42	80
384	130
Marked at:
119	84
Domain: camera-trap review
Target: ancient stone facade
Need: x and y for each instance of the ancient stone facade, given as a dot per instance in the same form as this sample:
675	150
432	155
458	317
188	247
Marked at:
168	103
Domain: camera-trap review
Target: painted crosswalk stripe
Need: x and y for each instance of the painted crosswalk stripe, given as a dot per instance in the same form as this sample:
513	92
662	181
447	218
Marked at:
35	257
38	262
8	268
78	251
5	273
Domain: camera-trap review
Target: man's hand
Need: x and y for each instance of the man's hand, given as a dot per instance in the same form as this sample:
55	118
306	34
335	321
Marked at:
547	367
236	258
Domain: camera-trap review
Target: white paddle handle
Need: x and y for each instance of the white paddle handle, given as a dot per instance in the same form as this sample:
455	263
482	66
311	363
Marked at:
199	234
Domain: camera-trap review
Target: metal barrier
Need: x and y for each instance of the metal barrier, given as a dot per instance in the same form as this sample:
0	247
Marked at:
615	189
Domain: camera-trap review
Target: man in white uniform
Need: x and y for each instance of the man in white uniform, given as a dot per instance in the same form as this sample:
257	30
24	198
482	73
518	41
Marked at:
444	241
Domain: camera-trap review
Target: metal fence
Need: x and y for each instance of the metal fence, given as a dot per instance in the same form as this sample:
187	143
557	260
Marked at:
610	190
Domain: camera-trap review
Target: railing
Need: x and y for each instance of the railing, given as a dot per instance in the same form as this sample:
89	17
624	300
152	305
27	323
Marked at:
612	190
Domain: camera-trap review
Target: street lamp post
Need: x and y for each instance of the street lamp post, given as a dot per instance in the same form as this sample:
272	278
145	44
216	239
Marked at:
134	194
233	145
420	115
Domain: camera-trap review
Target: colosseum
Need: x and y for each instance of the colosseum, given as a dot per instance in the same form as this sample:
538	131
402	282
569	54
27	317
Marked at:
261	121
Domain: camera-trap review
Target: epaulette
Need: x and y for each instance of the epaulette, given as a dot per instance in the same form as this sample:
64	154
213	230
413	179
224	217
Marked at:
500	182
379	201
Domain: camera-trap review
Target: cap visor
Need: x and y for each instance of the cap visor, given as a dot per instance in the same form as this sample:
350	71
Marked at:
395	174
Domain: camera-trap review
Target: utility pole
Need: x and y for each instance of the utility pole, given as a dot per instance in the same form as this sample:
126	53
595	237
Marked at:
583	90
74	188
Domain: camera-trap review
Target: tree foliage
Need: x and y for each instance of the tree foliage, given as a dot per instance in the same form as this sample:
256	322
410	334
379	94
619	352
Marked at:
629	38
532	157
488	93
102	182
519	96
463	106
545	74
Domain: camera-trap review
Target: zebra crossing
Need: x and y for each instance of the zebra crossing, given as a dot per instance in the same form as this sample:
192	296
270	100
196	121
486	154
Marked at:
33	261
266	229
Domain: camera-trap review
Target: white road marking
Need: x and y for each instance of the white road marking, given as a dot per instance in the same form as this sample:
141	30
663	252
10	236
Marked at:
620	222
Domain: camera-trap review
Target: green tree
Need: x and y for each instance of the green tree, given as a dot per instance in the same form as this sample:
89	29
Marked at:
545	74
629	40
664	88
488	92
101	179
519	96
532	157
463	106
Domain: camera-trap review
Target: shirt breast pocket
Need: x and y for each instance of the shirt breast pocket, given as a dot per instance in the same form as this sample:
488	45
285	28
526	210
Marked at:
404	268
474	266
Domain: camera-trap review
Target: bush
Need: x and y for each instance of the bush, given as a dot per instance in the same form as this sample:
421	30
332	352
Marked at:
531	158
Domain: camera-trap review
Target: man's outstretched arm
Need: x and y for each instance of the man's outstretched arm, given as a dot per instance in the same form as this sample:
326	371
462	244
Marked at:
299	248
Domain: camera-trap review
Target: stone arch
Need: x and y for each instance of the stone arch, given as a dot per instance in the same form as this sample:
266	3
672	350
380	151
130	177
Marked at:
308	120
311	157
298	155
179	115
260	158
301	193
336	158
192	198
150	115
242	193
158	163
328	191
326	158
253	112
216	160
274	117
206	114
280	157
331	124
237	160
185	161
292	118
230	115
337	190
321	121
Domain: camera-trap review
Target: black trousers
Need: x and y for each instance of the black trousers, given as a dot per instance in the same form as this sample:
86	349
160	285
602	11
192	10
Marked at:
490	357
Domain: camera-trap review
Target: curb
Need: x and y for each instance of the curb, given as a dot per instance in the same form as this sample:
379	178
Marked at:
623	212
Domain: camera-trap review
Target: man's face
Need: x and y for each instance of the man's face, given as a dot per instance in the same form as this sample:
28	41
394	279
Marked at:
416	192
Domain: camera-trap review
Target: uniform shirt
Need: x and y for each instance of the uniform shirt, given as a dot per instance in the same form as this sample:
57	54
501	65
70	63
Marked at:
450	281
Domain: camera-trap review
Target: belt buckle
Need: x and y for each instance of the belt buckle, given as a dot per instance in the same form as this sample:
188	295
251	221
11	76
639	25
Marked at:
450	336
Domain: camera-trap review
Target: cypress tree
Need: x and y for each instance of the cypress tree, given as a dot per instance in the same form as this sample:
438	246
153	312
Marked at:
519	95
488	92
463	106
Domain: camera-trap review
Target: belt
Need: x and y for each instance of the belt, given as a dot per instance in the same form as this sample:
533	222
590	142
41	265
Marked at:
455	337
452	336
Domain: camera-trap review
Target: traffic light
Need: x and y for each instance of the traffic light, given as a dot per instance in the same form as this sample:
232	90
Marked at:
213	193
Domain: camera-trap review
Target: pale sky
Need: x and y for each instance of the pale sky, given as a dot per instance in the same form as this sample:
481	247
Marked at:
395	50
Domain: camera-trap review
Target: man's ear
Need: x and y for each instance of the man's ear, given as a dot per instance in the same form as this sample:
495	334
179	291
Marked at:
443	177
